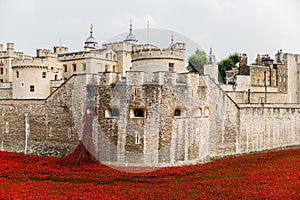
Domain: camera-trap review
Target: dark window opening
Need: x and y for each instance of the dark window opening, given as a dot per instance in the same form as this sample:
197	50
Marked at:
31	88
74	67
177	112
43	74
139	113
65	68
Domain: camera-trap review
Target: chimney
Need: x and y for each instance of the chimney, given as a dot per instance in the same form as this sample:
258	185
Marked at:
1	47
258	60
243	59
10	46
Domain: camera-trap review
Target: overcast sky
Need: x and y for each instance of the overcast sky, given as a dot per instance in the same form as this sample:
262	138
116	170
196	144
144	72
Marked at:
250	26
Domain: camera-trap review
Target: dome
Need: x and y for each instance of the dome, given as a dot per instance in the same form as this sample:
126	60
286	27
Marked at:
91	39
130	37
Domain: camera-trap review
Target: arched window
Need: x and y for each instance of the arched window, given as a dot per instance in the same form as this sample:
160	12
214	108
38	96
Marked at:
206	112
138	113
197	112
106	68
112	113
179	112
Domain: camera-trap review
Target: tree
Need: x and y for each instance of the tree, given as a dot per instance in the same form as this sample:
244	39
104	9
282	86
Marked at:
197	62
228	63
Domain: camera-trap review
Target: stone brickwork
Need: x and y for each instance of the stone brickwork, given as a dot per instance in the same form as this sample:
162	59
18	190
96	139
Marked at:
147	119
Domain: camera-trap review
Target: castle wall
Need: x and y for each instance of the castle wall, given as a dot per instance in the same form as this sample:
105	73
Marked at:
6	90
55	124
264	127
206	127
241	97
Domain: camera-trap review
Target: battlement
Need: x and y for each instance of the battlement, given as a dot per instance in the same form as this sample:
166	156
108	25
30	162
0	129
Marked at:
118	46
45	53
144	78
60	50
157	54
34	62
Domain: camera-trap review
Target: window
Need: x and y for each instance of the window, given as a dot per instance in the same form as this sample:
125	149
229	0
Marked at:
197	112
284	79
253	81
179	112
18	74
1	80
112	113
138	113
1	70
253	72
83	66
171	67
268	73
65	68
280	80
43	74
55	77
31	88
257	72
22	84
269	82
114	68
74	67
106	68
257	81
206	112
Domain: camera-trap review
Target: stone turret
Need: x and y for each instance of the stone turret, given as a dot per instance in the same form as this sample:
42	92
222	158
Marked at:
90	42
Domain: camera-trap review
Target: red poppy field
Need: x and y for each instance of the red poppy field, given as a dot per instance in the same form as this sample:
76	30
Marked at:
274	175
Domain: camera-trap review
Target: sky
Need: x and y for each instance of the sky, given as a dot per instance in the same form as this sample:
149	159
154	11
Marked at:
228	26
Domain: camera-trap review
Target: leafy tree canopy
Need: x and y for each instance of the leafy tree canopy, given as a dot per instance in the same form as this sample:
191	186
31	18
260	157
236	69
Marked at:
228	63
197	62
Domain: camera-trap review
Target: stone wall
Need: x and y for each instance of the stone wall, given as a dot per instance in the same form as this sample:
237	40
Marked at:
55	124
264	127
258	97
185	119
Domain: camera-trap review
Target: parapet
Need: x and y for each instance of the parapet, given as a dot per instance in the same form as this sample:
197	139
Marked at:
157	54
118	46
45	53
34	62
60	50
144	78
